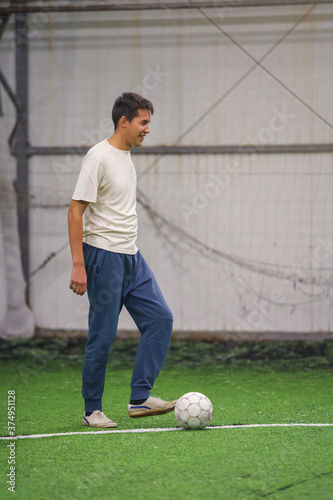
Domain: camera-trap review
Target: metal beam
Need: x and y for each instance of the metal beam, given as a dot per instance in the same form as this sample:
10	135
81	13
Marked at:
9	91
190	150
4	21
92	7
21	138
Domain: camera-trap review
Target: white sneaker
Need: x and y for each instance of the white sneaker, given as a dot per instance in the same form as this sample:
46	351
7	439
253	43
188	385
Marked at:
152	406
98	419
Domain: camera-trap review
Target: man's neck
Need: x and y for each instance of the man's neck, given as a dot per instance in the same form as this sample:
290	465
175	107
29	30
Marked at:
118	142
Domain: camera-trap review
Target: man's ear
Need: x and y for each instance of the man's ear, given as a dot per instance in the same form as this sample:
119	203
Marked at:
123	122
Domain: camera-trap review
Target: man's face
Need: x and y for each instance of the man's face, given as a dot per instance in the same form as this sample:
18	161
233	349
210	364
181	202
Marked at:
137	128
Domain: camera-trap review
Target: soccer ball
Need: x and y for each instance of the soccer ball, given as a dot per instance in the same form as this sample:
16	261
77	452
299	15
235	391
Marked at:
193	411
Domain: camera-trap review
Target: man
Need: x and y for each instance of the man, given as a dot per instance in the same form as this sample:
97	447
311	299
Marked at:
110	268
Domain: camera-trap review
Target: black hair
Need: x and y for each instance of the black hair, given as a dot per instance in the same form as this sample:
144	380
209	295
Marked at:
128	105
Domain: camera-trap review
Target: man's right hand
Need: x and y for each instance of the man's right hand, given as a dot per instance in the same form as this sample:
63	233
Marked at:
75	229
78	279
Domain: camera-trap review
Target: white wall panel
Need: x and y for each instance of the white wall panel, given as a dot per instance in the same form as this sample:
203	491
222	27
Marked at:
237	242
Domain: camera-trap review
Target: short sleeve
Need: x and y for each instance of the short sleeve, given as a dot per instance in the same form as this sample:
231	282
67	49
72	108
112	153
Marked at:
88	180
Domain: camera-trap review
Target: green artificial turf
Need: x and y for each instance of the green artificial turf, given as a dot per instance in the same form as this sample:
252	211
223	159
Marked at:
226	464
239	463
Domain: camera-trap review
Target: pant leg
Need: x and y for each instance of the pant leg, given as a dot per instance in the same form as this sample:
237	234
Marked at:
105	272
148	308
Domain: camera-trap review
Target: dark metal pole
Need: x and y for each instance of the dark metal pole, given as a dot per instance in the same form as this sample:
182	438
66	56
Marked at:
4	21
240	149
93	6
9	91
21	138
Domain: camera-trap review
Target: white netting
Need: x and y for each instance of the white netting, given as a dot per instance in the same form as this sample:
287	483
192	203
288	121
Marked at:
238	242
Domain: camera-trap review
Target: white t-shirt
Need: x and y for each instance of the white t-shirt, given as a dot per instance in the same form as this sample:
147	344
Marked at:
107	180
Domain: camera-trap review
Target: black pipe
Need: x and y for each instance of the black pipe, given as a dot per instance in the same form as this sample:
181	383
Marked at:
21	138
94	7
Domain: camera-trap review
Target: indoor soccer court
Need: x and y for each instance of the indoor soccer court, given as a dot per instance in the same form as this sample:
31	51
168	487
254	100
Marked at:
270	436
234	196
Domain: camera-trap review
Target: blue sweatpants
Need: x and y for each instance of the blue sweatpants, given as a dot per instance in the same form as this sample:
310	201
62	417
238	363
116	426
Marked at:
114	280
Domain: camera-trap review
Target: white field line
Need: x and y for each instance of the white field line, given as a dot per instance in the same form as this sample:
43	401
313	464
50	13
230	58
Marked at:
158	429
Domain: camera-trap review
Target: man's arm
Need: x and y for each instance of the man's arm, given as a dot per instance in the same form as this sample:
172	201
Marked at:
75	230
